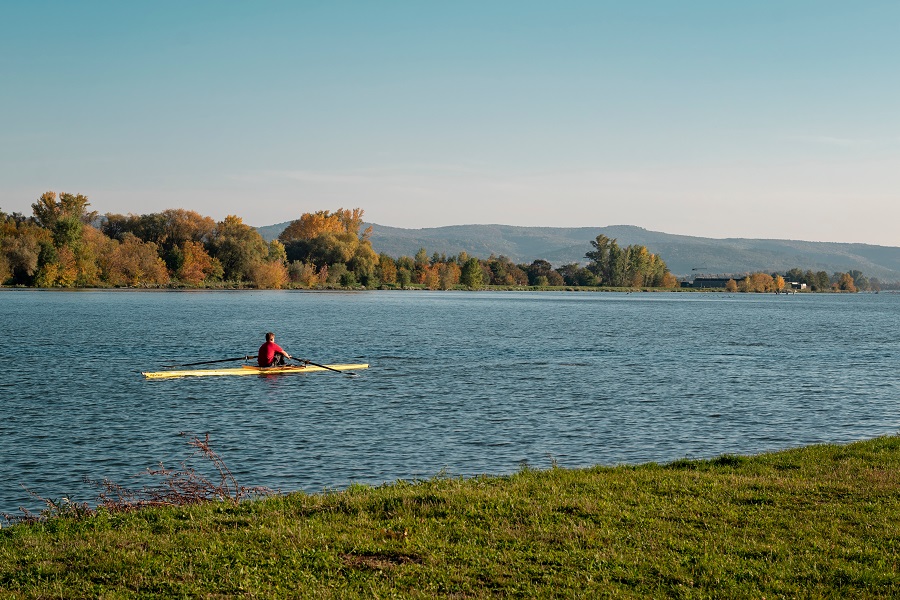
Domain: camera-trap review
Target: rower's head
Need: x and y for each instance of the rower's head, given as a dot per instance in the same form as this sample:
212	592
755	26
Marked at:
270	337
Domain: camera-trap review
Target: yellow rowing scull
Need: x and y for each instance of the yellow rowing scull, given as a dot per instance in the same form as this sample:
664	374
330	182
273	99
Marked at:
252	370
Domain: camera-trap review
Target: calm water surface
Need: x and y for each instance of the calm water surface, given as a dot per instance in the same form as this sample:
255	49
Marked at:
461	382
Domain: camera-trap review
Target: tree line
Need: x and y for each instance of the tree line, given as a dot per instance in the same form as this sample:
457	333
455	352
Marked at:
64	244
820	281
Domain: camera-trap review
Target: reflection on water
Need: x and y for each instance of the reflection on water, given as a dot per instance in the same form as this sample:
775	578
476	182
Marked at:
464	382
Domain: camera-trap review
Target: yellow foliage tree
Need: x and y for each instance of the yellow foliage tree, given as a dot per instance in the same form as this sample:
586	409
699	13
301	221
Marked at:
87	256
845	283
431	277
197	264
757	282
387	269
311	225
134	263
449	274
269	275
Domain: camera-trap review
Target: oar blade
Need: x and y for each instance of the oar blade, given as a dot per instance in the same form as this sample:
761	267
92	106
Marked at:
309	362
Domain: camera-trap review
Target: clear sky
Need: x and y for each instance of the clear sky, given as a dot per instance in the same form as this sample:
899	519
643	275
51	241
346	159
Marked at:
773	119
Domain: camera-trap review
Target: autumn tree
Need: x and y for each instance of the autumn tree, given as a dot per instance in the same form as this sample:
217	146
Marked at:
326	239
431	278
387	269
269	275
844	283
20	246
132	262
504	272
449	274
757	282
196	265
169	230
64	217
238	247
87	256
860	281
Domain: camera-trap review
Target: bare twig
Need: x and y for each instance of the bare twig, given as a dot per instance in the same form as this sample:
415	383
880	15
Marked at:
175	487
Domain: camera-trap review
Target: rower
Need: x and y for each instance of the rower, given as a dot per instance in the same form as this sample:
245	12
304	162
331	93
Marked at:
271	354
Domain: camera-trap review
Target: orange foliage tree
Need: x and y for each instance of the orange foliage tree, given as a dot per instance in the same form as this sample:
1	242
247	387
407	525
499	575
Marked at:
311	225
197	265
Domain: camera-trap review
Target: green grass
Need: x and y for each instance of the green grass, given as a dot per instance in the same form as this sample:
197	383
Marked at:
822	521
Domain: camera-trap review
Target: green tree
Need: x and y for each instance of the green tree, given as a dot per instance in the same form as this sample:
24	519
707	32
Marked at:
575	274
599	263
363	263
421	265
237	247
541	274
471	275
49	209
404	277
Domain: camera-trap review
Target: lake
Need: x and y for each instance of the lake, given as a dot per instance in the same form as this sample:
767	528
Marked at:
460	383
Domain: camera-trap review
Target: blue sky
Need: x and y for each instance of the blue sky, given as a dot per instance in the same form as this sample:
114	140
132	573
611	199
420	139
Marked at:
767	119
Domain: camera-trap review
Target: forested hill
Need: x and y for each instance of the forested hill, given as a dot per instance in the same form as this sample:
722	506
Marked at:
683	254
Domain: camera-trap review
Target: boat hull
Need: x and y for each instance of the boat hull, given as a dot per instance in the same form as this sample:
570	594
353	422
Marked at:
250	370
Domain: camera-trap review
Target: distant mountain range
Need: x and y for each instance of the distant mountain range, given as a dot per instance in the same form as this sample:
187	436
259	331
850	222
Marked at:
685	255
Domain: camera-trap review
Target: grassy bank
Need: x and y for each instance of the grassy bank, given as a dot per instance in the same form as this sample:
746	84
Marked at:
822	521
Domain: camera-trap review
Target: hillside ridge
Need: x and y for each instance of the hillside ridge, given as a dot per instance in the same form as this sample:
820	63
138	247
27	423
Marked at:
684	255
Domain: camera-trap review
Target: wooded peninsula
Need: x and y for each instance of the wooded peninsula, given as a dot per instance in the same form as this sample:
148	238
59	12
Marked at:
65	245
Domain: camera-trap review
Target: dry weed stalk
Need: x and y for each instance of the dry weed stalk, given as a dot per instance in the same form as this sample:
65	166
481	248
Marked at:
177	487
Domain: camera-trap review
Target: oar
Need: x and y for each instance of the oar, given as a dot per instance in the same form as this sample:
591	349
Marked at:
309	362
209	362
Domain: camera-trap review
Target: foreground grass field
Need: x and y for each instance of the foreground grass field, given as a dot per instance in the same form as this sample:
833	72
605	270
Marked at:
822	521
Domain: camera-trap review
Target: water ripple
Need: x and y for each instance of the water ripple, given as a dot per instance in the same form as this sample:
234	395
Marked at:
460	383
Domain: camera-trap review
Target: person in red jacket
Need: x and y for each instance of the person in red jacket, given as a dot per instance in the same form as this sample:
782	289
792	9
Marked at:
270	353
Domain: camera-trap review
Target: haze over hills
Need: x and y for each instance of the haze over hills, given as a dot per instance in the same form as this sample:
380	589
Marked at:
685	255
